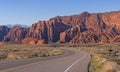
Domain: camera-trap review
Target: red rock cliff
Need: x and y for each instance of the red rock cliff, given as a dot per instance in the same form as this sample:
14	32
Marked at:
82	28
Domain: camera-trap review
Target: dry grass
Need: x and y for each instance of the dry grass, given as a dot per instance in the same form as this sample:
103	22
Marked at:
19	51
105	57
109	67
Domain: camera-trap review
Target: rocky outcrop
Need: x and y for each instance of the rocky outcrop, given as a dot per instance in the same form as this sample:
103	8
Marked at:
3	32
47	30
42	41
15	34
29	40
116	39
93	28
82	28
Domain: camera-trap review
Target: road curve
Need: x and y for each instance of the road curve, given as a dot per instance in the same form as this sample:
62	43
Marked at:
71	61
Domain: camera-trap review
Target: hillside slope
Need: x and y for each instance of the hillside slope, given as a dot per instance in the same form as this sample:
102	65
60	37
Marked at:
82	28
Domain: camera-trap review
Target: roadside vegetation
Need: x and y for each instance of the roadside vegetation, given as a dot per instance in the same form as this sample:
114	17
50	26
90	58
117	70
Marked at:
20	51
105	57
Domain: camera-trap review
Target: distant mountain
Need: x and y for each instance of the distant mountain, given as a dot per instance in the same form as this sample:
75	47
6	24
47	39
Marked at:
82	28
21	25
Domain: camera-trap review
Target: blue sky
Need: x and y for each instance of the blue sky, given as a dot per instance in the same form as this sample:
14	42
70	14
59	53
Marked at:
31	11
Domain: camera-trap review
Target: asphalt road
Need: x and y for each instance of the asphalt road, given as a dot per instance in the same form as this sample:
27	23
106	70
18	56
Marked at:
71	61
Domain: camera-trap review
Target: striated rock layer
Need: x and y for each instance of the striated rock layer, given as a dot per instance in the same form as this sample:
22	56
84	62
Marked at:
82	28
47	30
15	34
3	32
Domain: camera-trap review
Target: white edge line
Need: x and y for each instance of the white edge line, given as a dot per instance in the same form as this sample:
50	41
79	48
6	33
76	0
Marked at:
75	63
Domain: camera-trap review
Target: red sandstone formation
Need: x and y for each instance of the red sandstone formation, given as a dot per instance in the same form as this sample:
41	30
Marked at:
82	28
28	40
40	42
15	34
